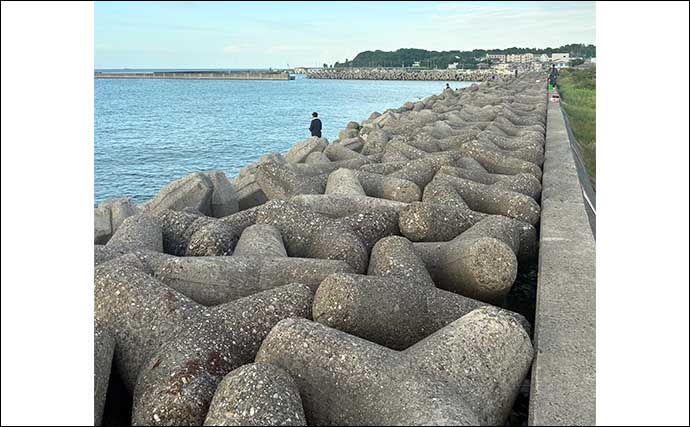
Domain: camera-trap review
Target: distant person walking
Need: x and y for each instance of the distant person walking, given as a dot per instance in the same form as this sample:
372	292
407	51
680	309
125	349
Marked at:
447	85
315	126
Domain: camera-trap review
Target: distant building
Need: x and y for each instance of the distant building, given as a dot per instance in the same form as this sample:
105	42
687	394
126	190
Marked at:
482	66
453	66
593	60
561	63
496	57
416	64
517	58
544	58
558	56
300	70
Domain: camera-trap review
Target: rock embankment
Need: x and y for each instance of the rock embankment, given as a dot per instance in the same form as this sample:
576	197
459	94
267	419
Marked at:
406	74
361	281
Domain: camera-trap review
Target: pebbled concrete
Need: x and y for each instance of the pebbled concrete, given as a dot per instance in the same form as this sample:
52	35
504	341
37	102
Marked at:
564	372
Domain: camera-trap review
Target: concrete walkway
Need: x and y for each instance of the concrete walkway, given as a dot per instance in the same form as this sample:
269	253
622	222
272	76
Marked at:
564	370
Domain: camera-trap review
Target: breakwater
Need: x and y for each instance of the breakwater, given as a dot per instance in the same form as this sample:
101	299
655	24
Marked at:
360	281
195	75
406	74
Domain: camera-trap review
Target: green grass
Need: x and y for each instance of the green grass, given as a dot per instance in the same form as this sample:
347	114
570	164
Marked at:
579	99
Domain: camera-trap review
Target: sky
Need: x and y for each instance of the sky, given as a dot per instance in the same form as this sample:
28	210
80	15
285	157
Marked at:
278	34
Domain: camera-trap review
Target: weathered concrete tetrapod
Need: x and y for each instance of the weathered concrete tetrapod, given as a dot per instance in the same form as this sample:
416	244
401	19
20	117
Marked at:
217	280
279	179
176	351
390	311
467	373
492	200
300	151
261	240
310	235
193	191
434	222
104	347
474	264
191	234
338	205
344	182
499	163
257	394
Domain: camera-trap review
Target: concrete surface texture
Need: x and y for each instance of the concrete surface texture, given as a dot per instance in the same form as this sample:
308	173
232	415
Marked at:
362	281
564	371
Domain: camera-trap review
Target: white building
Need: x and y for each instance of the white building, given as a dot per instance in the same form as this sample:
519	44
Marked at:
558	56
496	57
544	58
416	64
453	66
527	57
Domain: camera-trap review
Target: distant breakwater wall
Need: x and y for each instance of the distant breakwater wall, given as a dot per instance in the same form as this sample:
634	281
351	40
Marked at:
196	76
400	74
368	275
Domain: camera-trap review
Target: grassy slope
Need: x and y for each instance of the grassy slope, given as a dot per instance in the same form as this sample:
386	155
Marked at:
578	94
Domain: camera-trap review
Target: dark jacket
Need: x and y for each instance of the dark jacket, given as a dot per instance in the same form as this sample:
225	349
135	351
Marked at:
315	127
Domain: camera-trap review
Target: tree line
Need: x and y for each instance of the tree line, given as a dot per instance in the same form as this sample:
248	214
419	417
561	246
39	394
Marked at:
441	59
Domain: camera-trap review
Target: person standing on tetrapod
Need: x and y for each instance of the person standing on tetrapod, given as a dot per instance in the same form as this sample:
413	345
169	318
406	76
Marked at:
315	125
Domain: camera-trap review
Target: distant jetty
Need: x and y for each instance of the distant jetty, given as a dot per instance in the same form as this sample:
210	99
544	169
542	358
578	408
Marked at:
403	74
197	75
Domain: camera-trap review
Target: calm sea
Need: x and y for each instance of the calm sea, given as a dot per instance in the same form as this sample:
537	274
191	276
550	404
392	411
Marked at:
150	132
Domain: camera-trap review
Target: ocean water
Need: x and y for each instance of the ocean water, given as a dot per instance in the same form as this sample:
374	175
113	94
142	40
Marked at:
151	132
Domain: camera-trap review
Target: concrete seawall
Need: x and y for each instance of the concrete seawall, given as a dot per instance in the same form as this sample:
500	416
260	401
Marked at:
375	272
195	76
564	370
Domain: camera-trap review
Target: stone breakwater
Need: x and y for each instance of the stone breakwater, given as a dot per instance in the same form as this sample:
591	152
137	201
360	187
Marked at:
195	75
356	282
406	74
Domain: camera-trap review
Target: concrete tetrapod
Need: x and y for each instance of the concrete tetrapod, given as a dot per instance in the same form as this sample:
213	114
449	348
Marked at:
176	351
103	349
279	180
499	163
492	200
260	240
300	151
388	187
390	311
191	234
434	222
311	235
460	375
137	233
217	280
337	205
523	183
473	264
257	394
194	190
344	182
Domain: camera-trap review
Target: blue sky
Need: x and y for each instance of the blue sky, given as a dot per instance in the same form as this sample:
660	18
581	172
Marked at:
273	34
